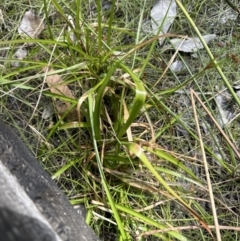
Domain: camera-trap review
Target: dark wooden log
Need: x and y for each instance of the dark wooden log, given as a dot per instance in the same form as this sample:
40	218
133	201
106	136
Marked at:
32	207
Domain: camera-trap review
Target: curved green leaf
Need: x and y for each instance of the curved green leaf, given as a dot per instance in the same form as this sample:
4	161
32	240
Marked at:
138	102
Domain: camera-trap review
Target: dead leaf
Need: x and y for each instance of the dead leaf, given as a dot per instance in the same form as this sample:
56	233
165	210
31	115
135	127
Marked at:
191	45
177	66
163	14
225	114
30	26
57	86
20	54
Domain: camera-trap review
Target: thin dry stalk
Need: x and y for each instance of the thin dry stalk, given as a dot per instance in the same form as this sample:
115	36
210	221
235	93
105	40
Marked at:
217	125
206	168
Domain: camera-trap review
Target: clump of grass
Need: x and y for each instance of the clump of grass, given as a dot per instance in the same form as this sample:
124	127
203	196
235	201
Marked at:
133	158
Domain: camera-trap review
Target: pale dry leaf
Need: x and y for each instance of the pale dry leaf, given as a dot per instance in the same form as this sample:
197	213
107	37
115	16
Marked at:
31	25
57	86
163	14
20	55
177	66
191	45
225	113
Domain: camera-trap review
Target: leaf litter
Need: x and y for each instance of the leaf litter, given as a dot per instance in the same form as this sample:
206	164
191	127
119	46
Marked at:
57	86
162	16
30	26
191	45
20	54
